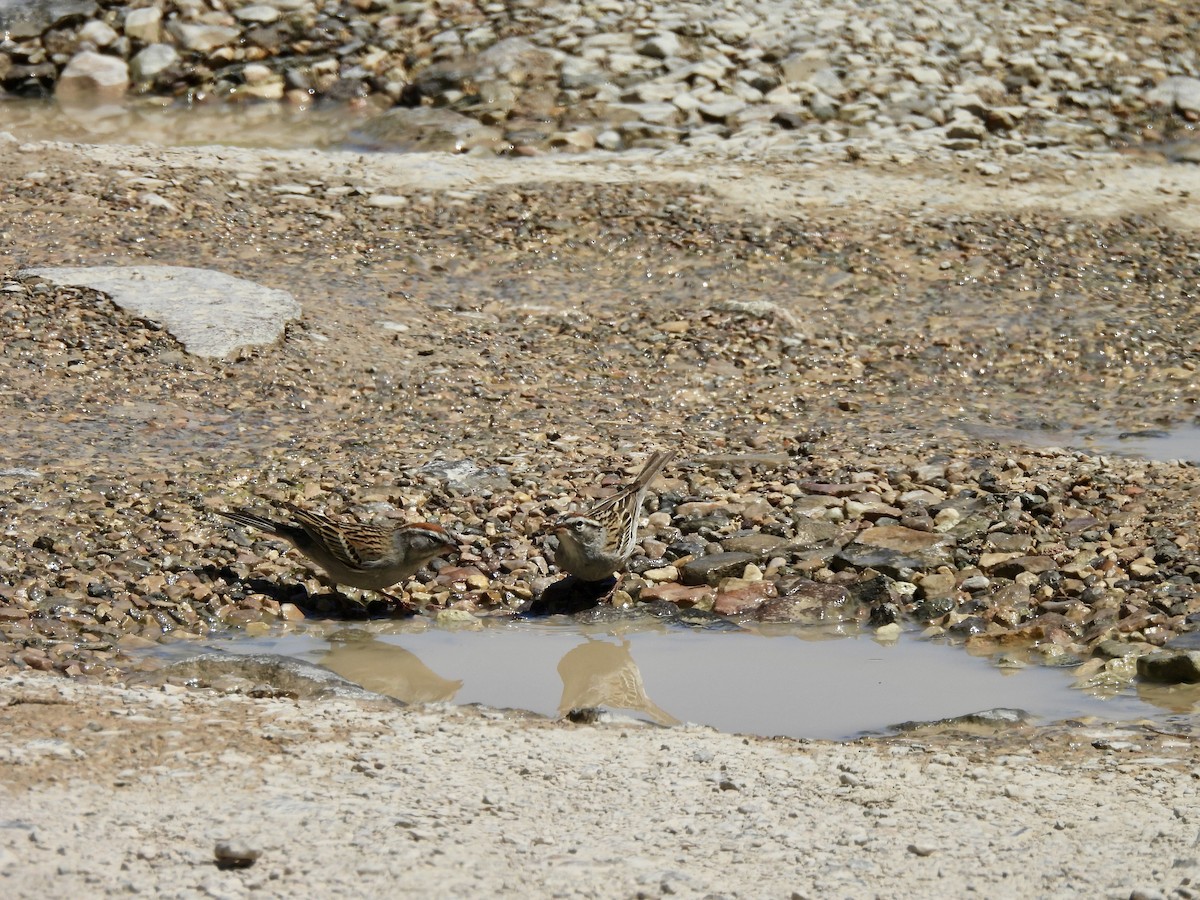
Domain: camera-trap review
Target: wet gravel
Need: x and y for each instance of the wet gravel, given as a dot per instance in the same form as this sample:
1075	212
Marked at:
492	354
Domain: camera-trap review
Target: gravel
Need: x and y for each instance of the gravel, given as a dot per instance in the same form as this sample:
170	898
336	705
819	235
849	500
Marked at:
876	282
332	797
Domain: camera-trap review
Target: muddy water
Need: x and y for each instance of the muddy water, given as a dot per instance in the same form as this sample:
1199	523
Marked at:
163	123
800	684
1181	442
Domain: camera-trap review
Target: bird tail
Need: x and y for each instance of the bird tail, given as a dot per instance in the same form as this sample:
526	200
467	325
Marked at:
254	520
650	470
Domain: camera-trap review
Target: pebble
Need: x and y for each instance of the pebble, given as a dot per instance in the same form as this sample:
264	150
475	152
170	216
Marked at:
236	854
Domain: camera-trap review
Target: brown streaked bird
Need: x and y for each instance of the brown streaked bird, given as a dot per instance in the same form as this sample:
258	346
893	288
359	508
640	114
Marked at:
595	544
369	557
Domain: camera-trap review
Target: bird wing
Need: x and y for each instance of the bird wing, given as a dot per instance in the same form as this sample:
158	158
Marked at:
351	545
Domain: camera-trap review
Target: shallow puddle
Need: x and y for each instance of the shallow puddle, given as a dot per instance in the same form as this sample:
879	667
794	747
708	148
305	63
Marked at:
797	684
164	123
1182	442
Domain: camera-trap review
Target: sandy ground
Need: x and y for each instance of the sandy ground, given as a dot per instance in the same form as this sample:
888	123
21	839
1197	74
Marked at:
110	790
115	791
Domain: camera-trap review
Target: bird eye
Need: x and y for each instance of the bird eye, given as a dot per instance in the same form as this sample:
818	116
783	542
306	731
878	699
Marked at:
577	526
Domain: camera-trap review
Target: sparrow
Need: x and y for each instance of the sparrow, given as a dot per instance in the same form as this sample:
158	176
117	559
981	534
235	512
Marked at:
594	545
369	557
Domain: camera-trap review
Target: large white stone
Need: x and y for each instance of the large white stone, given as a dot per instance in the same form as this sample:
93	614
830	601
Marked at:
152	60
212	314
144	24
203	38
93	77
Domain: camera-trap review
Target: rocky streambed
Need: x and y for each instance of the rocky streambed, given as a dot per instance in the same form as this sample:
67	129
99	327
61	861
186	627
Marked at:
861	274
502	342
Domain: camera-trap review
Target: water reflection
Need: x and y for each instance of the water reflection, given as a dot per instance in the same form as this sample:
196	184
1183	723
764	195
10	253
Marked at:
596	673
797	683
389	669
599	673
1181	442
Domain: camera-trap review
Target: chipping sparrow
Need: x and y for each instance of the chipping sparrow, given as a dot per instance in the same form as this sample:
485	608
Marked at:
594	545
371	557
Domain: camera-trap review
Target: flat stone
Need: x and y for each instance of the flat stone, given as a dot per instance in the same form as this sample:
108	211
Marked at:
805	600
830	490
891	548
758	543
1179	667
258	13
1004	542
744	598
212	314
1018	565
1114	649
425	129
701	596
203	38
711	569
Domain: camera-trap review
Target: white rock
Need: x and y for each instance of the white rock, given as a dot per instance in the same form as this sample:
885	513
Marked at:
259	13
663	45
151	61
1179	91
99	33
387	201
144	24
203	38
93	77
212	314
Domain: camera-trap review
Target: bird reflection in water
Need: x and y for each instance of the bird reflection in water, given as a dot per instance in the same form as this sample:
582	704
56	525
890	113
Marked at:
599	673
388	669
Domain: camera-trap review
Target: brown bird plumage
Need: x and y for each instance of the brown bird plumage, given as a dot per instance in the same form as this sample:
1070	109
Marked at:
594	545
370	557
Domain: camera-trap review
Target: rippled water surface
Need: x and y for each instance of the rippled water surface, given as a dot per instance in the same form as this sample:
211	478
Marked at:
735	681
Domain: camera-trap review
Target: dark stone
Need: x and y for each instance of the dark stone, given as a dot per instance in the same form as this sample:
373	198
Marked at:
934	609
569	596
1014	567
883	614
711	569
968	626
996	719
679	549
789	120
873	591
1177	667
